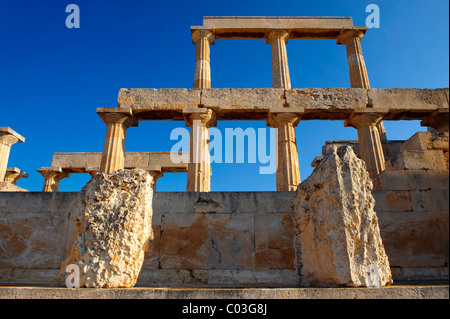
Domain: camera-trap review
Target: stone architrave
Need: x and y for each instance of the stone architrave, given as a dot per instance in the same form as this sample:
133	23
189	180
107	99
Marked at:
113	220
337	236
8	137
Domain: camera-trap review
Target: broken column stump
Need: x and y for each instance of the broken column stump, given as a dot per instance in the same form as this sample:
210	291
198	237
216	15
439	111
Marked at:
113	221
337	237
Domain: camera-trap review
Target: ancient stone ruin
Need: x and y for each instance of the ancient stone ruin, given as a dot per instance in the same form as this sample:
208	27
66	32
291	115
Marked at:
372	206
113	221
337	233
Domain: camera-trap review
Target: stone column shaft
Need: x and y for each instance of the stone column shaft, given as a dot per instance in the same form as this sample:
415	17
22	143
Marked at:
280	67
356	65
113	156
199	167
359	77
202	76
288	171
5	149
371	149
8	137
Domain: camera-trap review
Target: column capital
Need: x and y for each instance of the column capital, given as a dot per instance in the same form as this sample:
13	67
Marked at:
202	33
154	170
276	119
123	116
52	176
347	34
365	117
13	174
438	120
277	34
56	173
206	116
9	136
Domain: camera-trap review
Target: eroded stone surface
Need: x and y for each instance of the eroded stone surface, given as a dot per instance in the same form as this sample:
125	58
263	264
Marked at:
158	98
337	232
113	221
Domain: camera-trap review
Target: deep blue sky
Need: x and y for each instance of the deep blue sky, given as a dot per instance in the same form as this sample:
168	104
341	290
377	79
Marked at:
52	78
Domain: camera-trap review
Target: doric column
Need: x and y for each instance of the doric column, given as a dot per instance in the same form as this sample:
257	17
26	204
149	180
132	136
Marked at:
202	39
288	171
8	137
357	68
356	65
438	120
199	167
13	174
370	147
155	171
117	122
52	176
280	67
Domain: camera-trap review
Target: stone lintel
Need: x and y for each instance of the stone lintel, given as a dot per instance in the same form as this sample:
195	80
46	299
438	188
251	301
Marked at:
162	104
87	162
10	131
259	27
408	104
328	103
255	104
156	168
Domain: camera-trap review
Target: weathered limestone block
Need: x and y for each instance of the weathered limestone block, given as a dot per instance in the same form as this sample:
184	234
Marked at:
113	221
337	234
408	99
242	100
338	101
426	141
158	98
